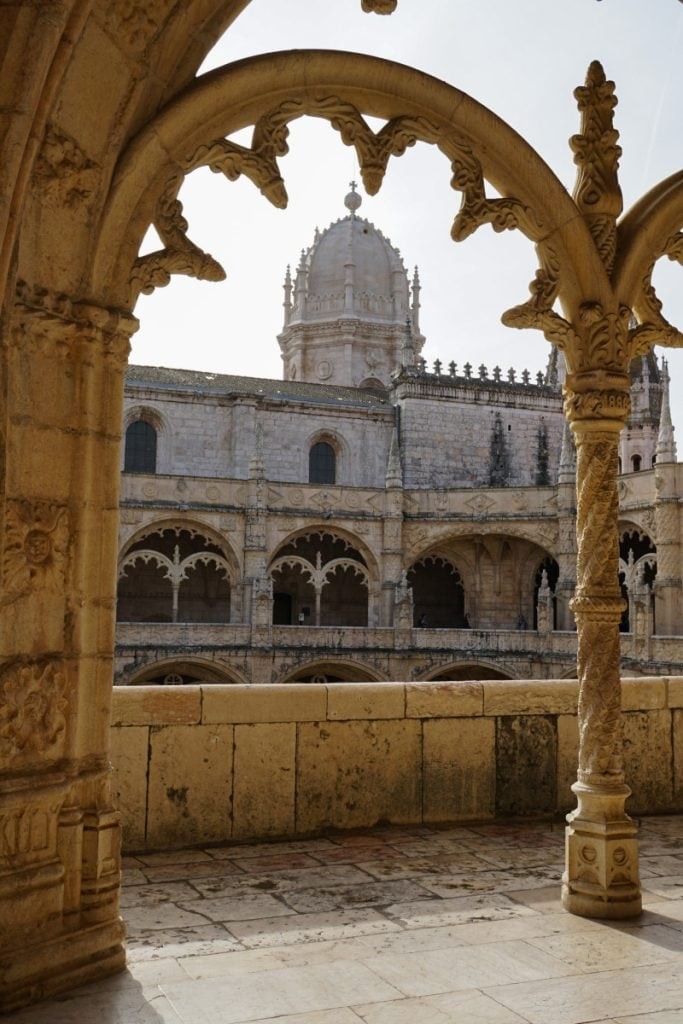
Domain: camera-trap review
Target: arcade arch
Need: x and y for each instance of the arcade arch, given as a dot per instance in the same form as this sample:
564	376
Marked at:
175	573
320	578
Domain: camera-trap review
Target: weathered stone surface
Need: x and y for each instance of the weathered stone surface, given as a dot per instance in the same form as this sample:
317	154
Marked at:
648	761
526	757
354	774
365	700
245	704
530	698
265	780
444	700
567	760
156	705
190	785
129	750
459	769
677	736
641	694
675	692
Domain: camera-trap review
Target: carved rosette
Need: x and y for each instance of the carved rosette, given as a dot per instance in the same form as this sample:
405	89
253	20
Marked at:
63	173
33	706
36	541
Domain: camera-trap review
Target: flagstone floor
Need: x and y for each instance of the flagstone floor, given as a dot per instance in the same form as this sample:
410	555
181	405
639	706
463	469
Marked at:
388	926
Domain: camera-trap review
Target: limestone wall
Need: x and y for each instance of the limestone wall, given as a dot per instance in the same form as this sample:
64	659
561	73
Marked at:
202	764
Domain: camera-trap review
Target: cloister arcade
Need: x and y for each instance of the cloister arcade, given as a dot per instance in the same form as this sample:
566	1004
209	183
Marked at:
102	116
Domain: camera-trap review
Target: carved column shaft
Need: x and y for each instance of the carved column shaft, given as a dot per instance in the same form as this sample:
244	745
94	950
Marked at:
601	876
668	588
59	837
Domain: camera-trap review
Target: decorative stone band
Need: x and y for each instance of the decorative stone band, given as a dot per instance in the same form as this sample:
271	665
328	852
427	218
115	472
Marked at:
112	328
598	397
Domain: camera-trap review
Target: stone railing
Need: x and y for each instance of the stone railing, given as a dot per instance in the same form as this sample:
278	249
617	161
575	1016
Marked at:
203	764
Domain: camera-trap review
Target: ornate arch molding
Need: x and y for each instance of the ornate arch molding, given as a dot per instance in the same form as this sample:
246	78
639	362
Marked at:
271	90
649	231
322	529
192	526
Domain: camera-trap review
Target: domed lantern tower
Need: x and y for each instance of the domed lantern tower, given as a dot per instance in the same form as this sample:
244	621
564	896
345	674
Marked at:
347	308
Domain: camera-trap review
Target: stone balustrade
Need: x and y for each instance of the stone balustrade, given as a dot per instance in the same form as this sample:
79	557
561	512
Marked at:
203	764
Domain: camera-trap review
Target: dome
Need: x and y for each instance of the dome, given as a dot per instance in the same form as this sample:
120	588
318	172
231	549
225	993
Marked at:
348	307
352	270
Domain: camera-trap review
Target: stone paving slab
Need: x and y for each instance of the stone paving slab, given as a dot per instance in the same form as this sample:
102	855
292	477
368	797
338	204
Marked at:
459	925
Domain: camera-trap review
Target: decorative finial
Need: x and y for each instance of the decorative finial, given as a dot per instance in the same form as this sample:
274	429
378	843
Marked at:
352	200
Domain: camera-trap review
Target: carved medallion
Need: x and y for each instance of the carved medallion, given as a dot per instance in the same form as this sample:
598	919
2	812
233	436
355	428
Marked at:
32	713
35	547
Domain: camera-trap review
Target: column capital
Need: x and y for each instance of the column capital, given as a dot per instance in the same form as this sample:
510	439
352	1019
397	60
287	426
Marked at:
597	400
65	319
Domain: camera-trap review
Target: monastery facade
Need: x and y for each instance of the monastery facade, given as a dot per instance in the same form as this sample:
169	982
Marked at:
370	517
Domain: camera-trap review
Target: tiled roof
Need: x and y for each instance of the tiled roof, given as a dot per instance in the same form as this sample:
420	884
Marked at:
165	378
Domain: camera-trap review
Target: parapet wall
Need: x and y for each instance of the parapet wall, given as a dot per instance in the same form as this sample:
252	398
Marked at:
203	764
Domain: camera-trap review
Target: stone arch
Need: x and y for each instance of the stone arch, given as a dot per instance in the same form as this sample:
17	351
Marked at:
438	593
157	420
340	448
268	92
190	669
337	670
174	572
471	669
321	578
637	570
195	526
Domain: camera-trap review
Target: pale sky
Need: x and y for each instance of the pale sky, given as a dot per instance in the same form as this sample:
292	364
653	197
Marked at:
521	58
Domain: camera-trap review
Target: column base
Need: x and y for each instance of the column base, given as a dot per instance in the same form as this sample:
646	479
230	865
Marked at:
62	963
601	879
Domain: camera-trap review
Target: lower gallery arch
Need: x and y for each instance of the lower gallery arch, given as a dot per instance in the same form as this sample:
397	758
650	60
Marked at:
466	671
177	672
333	671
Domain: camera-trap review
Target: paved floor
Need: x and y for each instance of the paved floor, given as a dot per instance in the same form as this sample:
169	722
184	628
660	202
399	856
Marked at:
391	926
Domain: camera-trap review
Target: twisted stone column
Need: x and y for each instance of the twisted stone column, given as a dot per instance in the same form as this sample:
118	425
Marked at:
601	876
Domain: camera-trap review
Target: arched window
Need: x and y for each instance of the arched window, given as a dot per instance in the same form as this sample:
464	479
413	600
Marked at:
141	448
635	462
322	464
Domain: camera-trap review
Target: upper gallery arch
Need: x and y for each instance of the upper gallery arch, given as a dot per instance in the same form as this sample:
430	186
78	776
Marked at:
271	90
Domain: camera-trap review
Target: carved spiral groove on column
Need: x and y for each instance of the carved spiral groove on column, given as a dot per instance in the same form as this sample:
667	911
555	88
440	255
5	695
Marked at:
598	606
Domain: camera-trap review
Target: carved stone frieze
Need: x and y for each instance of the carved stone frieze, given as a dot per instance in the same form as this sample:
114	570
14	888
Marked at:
36	542
33	707
46	318
63	173
27	832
